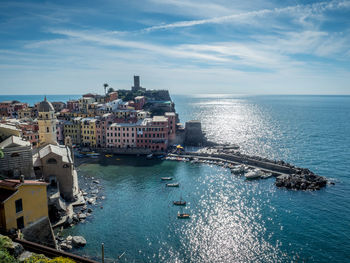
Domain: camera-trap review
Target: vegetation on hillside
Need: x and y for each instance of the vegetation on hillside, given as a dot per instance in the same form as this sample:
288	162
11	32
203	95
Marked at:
6	257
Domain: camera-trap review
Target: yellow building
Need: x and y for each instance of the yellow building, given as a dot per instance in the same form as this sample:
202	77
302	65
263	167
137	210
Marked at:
72	129
22	202
47	123
88	132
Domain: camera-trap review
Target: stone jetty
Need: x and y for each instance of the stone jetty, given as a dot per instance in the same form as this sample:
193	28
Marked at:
287	175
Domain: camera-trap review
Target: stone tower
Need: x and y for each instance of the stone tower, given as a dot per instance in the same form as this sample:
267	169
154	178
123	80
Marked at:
47	123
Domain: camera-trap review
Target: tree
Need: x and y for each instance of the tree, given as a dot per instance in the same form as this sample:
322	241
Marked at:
110	90
105	85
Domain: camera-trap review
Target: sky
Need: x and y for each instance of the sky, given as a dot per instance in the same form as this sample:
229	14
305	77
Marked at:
186	46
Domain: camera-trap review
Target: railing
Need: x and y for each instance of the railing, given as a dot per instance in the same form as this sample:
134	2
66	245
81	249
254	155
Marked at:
51	252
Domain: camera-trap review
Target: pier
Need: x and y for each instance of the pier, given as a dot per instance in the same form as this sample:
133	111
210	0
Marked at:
288	176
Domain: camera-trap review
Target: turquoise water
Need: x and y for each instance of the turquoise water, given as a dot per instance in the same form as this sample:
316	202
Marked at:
232	220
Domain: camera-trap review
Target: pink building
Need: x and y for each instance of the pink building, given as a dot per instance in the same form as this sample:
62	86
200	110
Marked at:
122	135
112	96
153	134
139	102
171	116
101	129
7	108
73	105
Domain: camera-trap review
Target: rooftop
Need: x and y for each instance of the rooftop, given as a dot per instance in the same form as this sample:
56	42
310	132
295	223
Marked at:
159	119
14	140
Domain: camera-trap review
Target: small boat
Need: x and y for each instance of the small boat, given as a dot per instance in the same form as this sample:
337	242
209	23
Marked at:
92	154
108	155
239	169
149	156
183	203
173	185
166	178
266	175
183	215
254	174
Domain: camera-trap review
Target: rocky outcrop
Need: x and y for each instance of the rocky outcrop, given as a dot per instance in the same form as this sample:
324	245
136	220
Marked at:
303	180
78	241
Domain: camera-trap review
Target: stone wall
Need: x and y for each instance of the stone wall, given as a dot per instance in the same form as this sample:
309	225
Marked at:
40	232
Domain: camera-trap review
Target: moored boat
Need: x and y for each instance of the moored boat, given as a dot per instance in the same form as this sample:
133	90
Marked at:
183	203
108	155
183	215
173	185
166	178
254	174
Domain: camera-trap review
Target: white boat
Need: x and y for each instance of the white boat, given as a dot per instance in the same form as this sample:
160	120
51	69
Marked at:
266	175
239	169
254	174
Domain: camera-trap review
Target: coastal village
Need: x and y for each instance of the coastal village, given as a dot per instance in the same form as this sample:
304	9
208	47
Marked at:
39	186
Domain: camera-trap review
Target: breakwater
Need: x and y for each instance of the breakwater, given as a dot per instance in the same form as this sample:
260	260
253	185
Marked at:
287	175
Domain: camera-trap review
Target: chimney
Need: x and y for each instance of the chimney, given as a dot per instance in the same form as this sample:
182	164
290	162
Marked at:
21	178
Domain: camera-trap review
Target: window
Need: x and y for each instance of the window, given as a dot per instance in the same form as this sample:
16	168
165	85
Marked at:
20	222
19	207
51	161
47	129
15	155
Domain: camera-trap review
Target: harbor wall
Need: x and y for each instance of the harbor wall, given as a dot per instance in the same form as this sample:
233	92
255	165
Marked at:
249	161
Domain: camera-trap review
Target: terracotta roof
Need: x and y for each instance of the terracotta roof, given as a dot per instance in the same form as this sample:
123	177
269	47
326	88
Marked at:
14	184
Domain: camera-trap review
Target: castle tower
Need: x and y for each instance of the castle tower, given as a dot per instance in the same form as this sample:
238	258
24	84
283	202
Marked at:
47	123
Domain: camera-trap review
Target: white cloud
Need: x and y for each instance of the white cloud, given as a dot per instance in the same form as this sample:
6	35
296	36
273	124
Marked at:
300	12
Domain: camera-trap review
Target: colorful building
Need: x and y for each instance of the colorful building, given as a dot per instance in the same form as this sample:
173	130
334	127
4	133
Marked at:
88	132
47	123
122	135
22	202
153	134
72	129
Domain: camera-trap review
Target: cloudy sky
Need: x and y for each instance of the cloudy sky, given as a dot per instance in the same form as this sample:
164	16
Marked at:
186	46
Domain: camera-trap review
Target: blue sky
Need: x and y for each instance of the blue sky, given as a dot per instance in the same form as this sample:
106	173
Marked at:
186	46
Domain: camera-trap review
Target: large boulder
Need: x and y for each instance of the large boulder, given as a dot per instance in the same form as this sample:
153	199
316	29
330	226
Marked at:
24	256
15	249
78	241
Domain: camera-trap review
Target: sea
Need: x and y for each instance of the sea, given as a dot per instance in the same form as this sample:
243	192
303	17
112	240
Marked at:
232	220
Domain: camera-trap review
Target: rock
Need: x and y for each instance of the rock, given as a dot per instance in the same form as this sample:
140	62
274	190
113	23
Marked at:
75	218
65	246
82	216
103	197
92	201
95	191
69	220
84	208
96	181
69	238
89	210
15	249
24	256
88	214
78	241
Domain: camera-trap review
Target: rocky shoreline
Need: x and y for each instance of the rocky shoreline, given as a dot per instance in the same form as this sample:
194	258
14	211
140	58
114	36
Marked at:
92	192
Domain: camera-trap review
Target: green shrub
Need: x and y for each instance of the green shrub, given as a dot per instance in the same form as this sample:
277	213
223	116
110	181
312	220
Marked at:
43	259
5	243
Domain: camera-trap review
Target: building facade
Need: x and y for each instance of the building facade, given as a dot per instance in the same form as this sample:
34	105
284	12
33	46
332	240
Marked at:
22	202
